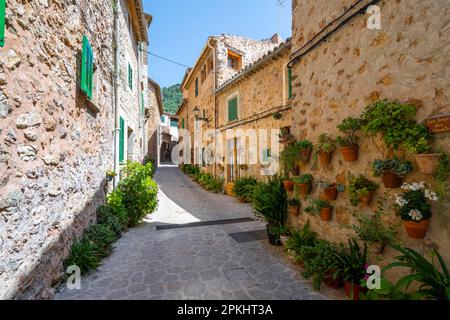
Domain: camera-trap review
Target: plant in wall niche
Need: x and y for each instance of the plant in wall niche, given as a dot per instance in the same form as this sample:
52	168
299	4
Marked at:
419	143
325	149
303	184
348	143
289	157
361	190
293	206
320	207
433	277
270	204
305	148
392	171
243	188
414	208
351	266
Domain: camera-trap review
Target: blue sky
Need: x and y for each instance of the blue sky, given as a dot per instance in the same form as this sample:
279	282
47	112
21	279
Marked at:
180	29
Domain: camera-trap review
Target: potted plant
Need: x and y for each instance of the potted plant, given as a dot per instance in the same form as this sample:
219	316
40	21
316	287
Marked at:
243	188
305	148
414	208
349	147
325	149
110	175
330	190
392	171
277	115
419	144
289	157
286	137
320	207
298	239
351	266
361	190
303	184
293	206
288	184
270	204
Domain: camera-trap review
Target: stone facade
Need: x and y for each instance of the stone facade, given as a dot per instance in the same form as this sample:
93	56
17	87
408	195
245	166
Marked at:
403	61
153	115
55	144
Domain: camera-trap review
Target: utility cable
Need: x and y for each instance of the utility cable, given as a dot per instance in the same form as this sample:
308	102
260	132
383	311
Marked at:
166	59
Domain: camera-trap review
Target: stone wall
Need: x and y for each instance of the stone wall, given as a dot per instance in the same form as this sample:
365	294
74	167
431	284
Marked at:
54	148
153	120
404	61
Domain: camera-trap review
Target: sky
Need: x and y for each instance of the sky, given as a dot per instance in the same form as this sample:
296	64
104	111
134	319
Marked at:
180	29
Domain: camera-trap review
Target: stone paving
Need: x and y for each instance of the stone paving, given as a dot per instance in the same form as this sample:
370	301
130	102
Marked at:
194	262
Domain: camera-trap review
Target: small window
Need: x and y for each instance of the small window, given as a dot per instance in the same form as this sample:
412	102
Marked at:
196	87
233	109
130	76
234	60
174	123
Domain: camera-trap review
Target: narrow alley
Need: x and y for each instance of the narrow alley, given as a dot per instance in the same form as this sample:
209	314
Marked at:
198	262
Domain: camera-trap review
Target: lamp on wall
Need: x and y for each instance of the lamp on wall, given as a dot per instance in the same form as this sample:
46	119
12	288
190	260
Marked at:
197	115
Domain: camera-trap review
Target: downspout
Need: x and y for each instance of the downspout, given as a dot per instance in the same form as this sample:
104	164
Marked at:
116	93
215	101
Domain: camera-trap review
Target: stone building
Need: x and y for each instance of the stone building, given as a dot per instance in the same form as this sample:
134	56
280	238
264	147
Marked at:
339	66
153	115
59	110
168	136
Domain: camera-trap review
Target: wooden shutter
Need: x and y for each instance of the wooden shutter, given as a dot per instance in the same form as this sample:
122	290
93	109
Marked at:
232	109
2	22
122	140
289	83
87	68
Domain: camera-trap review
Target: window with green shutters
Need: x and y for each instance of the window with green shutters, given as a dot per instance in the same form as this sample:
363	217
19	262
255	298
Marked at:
2	22
130	77
182	123
233	109
142	104
87	68
196	86
122	140
289	83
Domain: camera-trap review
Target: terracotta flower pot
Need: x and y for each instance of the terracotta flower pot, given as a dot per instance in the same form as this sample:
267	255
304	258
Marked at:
324	158
325	214
303	189
350	153
293	210
391	180
230	186
331	282
416	230
367	199
353	294
288	185
305	154
376	248
427	163
330	193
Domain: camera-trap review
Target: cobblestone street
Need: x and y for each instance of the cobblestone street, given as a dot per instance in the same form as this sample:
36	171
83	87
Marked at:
193	262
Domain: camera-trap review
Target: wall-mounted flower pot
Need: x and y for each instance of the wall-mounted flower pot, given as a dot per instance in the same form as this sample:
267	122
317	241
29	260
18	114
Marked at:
305	154
303	189
331	282
274	239
376	247
352	291
288	185
416	230
350	153
293	210
324	158
427	163
325	214
366	200
330	193
391	180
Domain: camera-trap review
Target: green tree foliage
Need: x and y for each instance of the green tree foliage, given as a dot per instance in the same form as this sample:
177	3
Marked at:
172	98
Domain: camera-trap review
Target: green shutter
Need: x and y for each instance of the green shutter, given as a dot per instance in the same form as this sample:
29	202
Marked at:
122	140
2	22
196	87
142	104
87	68
232	109
289	83
182	123
130	77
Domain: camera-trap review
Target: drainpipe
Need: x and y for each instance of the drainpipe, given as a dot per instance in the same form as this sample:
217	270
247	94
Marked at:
215	100
116	93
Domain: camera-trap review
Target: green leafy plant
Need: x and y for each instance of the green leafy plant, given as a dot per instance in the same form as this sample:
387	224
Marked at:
316	205
349	127
352	262
387	291
115	205
360	186
413	204
111	173
326	144
243	188
106	216
294	202
84	255
304	237
304	145
303	179
396	165
419	139
442	177
371	229
434	279
270	201
286	136
289	157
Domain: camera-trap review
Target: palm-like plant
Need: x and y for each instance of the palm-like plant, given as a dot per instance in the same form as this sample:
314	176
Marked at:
351	262
435	281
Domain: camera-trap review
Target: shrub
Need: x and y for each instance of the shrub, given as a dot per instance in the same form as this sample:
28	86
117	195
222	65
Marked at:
209	182
270	201
84	255
117	208
102	237
304	145
243	188
106	216
398	166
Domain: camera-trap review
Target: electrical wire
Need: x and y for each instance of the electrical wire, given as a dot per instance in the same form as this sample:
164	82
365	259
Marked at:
166	59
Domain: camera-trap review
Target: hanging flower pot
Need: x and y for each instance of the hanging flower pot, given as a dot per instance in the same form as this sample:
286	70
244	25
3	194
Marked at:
293	210
331	282
330	193
427	163
324	158
376	247
352	290
391	180
416	230
304	189
367	198
288	185
350	153
325	214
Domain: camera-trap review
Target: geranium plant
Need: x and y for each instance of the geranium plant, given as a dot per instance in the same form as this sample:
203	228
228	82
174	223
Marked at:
413	204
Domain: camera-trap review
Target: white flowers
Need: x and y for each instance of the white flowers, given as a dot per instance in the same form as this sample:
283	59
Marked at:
416	186
415	215
431	195
401	202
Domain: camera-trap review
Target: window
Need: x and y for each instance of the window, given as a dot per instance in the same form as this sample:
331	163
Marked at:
234	60
196	87
2	22
130	77
289	83
182	123
87	68
163	119
122	140
233	109
204	114
174	123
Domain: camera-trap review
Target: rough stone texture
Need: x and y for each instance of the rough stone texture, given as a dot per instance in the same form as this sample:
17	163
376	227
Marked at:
355	66
153	114
194	263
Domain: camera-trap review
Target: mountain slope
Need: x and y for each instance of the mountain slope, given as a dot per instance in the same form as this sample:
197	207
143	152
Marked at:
172	98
